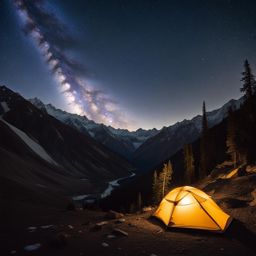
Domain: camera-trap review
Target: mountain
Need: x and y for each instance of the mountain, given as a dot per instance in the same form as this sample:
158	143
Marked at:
144	148
171	139
120	141
39	155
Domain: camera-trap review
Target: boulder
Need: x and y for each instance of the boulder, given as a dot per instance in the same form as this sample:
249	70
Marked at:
119	232
99	225
111	236
102	223
147	209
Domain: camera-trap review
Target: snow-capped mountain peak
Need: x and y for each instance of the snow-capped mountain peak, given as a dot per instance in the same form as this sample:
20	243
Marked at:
120	141
132	144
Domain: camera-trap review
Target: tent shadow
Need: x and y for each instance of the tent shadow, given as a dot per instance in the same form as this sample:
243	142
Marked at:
236	231
188	231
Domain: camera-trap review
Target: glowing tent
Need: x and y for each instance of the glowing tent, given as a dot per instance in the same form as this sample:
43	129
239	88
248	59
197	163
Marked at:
189	207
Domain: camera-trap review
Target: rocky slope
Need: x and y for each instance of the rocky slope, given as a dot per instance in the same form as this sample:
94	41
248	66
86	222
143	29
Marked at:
41	157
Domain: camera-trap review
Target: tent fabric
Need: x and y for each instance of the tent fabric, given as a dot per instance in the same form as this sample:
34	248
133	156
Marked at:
189	207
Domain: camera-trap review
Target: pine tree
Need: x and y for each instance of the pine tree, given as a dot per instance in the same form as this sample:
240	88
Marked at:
248	81
132	208
204	145
189	176
161	182
246	131
165	178
169	175
231	141
156	189
139	202
204	120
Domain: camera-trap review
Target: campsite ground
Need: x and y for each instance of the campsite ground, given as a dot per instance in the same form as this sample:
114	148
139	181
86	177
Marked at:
74	233
70	233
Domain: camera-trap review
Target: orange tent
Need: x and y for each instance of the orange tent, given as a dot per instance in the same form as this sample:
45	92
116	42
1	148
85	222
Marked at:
189	207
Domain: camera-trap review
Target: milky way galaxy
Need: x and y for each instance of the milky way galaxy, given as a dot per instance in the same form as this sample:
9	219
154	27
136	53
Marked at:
52	39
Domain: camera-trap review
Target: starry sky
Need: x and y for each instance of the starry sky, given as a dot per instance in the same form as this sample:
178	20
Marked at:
128	63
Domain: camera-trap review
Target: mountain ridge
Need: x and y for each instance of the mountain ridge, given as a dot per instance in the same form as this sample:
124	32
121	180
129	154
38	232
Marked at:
144	148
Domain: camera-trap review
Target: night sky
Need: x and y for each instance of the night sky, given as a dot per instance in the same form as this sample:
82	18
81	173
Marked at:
128	63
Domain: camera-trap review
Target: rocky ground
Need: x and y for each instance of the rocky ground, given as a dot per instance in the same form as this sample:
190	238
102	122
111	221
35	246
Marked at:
84	232
38	230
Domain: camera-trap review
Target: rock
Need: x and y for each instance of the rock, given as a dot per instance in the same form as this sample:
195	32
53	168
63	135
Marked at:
31	229
46	226
114	215
105	244
32	247
120	221
119	232
147	209
102	223
253	202
70	227
111	236
99	225
59	241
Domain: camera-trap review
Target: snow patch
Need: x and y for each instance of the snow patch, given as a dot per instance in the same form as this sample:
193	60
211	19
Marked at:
31	143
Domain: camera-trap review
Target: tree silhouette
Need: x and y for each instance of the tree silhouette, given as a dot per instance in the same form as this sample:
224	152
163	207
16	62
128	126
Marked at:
231	141
248	81
161	182
203	168
189	176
